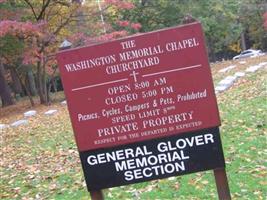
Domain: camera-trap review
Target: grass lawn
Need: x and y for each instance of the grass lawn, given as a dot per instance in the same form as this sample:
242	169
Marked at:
40	160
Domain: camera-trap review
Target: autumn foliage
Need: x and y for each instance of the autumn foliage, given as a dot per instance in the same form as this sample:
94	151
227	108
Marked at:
31	31
19	28
40	26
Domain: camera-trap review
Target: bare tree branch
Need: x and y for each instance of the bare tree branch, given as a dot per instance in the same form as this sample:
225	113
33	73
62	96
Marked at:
41	15
58	29
31	6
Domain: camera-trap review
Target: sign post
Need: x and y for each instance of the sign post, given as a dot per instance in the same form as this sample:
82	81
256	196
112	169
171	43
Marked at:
143	108
222	184
97	195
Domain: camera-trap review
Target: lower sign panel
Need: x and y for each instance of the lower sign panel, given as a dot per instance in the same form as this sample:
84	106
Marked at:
153	159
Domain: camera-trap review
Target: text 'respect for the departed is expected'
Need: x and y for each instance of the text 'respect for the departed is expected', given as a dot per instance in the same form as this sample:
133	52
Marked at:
143	107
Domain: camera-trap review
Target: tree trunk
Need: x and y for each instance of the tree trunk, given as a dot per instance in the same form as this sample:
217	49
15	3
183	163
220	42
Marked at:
45	89
24	86
40	84
54	84
28	92
48	93
16	82
5	92
243	41
31	83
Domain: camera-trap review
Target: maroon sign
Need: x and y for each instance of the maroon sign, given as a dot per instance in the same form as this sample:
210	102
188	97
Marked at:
138	88
143	107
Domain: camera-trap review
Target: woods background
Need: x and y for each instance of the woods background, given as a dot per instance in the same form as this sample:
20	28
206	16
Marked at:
31	32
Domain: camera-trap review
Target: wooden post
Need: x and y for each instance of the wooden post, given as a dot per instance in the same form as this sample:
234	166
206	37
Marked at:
222	184
97	195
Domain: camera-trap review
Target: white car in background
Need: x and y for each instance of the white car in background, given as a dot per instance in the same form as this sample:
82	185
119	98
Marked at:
248	53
